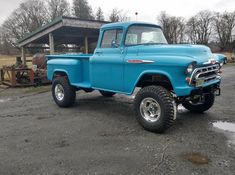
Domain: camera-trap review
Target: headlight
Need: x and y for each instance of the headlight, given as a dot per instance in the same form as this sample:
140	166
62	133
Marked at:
221	64
190	68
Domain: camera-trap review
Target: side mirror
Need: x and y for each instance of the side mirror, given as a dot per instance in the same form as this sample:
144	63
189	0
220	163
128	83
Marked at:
114	44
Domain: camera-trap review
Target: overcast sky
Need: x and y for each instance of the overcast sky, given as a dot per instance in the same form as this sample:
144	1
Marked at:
147	9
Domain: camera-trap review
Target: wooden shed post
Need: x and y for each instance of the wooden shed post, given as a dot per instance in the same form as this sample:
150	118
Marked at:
23	58
86	45
51	44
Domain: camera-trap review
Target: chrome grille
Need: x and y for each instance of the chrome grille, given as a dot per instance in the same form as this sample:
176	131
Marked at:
206	73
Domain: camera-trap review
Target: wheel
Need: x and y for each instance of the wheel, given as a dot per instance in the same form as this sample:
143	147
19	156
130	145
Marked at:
107	94
199	106
225	61
155	108
63	93
88	90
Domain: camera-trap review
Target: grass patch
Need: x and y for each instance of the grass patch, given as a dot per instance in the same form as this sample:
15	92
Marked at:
6	60
228	54
229	65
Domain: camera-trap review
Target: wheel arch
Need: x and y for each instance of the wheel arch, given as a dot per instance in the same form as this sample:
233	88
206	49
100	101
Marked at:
159	78
59	73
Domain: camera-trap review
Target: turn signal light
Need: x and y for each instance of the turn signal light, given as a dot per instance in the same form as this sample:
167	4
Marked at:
188	79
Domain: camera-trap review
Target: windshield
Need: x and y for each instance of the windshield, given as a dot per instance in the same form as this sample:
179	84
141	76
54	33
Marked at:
138	35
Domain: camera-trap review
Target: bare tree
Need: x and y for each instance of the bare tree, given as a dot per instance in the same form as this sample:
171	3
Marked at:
6	47
35	11
99	15
123	16
1	41
114	16
173	27
26	18
224	23
82	9
57	8
192	30
205	26
199	27
118	16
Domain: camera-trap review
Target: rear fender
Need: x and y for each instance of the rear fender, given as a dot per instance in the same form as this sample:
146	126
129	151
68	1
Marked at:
70	67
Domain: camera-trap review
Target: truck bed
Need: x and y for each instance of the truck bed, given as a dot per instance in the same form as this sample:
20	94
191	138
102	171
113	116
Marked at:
76	66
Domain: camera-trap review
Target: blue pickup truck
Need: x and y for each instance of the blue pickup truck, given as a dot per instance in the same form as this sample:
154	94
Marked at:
135	55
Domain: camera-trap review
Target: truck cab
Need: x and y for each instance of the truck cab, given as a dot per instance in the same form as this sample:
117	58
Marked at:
134	54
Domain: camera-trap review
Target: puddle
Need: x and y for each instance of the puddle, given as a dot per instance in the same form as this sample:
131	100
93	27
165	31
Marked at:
133	97
228	129
226	126
181	109
4	100
196	158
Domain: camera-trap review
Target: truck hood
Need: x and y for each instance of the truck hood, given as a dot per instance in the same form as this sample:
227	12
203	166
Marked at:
198	53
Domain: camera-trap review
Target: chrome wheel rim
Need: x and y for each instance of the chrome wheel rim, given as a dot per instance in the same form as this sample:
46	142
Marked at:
150	109
59	92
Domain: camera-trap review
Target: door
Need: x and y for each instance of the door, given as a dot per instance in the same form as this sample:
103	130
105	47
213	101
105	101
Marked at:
107	62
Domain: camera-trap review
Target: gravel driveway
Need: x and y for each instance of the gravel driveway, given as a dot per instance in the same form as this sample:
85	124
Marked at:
101	136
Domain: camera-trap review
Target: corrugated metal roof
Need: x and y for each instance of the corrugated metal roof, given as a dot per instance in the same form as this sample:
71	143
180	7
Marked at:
52	23
55	21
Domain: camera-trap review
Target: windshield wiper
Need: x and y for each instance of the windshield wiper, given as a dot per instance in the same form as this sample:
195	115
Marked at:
152	43
146	44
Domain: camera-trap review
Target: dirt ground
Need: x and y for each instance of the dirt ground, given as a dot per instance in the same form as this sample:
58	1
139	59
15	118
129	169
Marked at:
101	136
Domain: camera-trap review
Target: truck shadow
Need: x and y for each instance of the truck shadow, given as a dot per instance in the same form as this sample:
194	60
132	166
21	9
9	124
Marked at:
120	109
103	106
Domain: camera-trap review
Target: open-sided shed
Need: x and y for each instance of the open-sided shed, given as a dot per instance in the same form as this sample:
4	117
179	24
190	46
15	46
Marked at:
63	30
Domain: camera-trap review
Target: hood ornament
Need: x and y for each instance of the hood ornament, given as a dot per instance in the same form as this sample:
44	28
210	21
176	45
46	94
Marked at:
210	61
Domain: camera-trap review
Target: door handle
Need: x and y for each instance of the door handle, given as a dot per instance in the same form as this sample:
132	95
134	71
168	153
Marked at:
121	50
98	52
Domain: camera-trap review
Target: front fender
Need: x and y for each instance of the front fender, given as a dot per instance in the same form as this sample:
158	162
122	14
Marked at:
178	82
152	72
219	57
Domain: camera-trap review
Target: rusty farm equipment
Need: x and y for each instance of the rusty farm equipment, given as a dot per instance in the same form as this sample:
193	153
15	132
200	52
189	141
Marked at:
19	75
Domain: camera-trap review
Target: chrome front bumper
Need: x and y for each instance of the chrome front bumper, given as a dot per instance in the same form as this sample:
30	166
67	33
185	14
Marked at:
204	75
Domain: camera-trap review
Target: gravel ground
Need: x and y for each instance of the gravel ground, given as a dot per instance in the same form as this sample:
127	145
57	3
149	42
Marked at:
101	136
